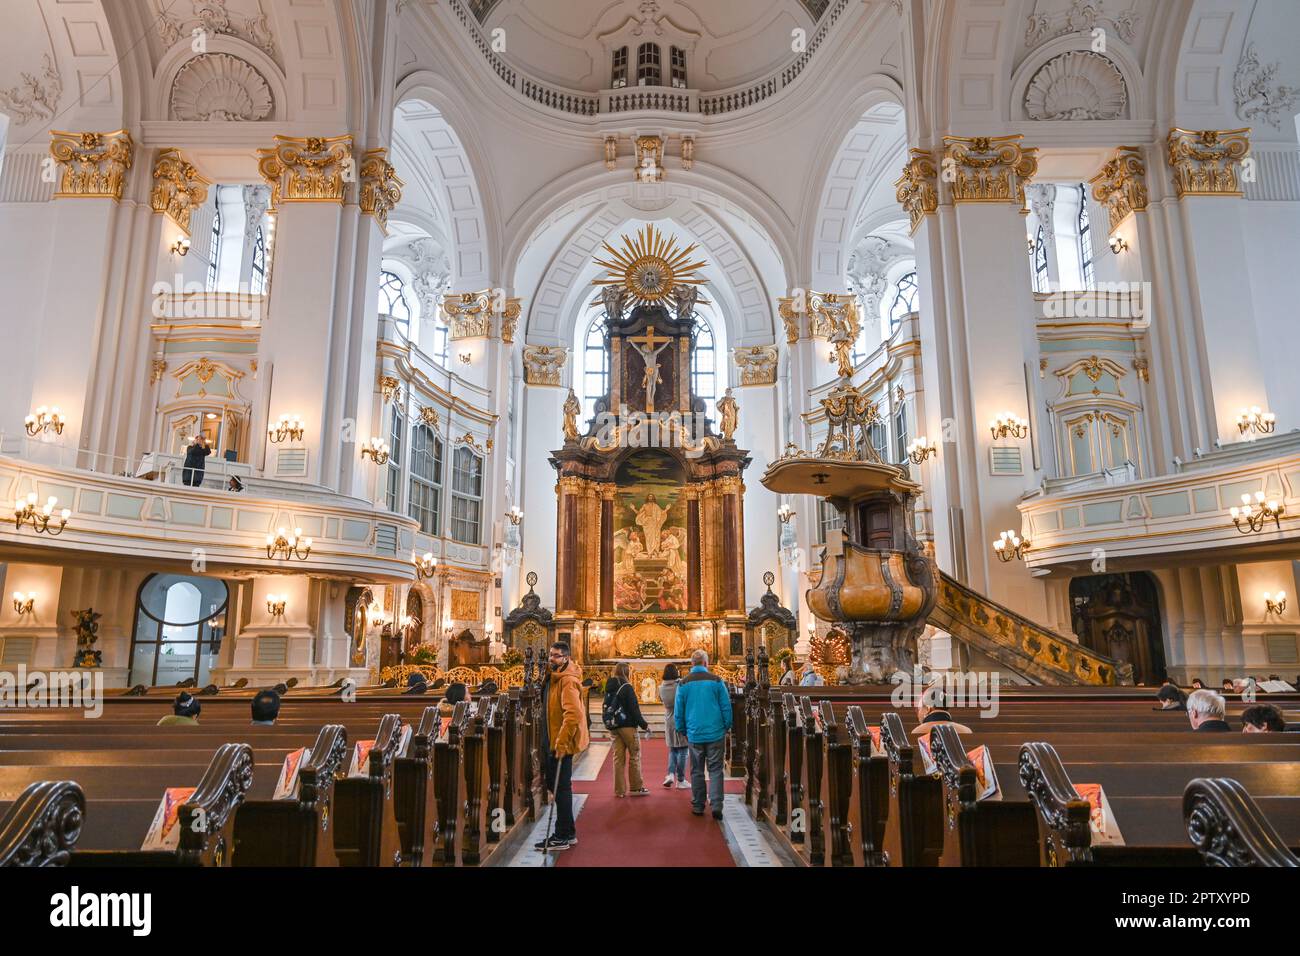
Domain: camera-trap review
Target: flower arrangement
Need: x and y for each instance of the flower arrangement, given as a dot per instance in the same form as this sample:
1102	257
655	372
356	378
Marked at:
650	649
423	654
87	635
512	658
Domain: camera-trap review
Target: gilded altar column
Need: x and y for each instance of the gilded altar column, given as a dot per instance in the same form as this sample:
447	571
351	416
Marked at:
568	558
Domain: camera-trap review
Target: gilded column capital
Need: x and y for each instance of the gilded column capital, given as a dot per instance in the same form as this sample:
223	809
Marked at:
917	189
988	168
757	364
543	364
1204	162
1121	186
470	314
178	188
307	169
381	189
93	165
829	314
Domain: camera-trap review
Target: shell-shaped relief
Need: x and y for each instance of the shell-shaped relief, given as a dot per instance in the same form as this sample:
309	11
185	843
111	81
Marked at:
1076	86
218	86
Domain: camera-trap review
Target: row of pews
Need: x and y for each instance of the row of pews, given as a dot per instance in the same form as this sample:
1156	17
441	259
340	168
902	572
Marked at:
441	786
839	775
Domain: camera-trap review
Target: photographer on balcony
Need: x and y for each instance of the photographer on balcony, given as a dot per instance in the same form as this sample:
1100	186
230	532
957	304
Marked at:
192	469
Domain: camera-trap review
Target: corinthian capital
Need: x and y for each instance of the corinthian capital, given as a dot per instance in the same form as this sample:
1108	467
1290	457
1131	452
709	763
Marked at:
1204	162
916	190
381	190
1121	186
543	364
177	188
93	165
988	168
307	169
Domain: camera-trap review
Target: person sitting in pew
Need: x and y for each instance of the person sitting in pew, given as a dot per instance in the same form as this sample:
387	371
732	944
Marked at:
932	709
810	677
185	712
266	708
1171	698
486	689
1197	684
455	694
1228	686
1206	710
416	683
1262	719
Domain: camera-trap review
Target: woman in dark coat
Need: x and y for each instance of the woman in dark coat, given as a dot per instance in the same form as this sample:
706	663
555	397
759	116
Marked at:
192	473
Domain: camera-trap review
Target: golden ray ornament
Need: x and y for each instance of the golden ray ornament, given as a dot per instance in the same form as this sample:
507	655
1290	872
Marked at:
650	265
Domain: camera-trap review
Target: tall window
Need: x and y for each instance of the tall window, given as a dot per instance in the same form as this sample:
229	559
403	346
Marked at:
677	61
396	434
1085	239
900	433
828	518
214	243
595	368
704	368
438	348
649	70
904	301
619	78
466	495
878	435
1039	262
392	300
258	284
425	503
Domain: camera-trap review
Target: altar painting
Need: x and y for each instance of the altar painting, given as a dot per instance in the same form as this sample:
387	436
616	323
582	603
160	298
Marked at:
650	571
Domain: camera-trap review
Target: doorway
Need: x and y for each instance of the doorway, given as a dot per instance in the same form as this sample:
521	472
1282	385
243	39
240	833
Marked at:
1119	615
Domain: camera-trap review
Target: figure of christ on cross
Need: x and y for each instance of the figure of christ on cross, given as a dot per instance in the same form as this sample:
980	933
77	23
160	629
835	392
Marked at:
645	344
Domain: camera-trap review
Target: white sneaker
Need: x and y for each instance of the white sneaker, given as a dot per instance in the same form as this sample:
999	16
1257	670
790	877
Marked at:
668	780
683	785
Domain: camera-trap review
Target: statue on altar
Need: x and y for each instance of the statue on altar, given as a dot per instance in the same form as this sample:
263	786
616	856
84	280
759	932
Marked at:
572	409
729	410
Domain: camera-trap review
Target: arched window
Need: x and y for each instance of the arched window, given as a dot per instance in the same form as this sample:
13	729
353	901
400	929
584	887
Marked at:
392	300
466	496
677	62
214	242
258	284
425	502
704	367
179	622
1085	239
595	367
649	70
618	79
904	301
1039	261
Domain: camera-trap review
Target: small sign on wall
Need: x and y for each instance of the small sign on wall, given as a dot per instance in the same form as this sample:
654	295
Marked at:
1005	460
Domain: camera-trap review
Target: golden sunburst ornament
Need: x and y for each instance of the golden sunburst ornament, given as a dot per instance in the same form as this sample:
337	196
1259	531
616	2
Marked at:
650	266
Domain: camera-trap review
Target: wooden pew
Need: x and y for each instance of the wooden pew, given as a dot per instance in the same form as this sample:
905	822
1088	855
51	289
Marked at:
414	804
41	827
365	832
298	831
1227	827
868	797
449	786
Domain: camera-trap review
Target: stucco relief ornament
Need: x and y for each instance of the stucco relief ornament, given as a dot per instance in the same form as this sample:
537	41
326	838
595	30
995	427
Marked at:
1083	16
1255	95
218	86
1076	86
757	364
34	98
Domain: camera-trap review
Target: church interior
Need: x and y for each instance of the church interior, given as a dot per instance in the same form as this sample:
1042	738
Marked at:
900	367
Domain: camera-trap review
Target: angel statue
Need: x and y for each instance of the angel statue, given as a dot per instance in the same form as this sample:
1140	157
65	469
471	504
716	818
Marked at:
614	297
842	341
572	408
684	298
729	412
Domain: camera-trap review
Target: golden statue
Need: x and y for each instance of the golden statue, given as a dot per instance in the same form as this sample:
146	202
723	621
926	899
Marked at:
572	409
729	410
842	341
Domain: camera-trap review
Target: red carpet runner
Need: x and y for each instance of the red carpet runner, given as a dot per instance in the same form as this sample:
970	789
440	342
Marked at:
658	830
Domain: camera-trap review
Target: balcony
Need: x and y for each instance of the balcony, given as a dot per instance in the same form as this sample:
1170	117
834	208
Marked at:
117	514
1174	519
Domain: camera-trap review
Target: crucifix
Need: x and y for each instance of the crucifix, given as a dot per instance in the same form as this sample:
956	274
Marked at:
650	355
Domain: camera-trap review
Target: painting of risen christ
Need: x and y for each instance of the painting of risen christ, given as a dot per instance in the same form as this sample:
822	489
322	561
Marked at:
650	568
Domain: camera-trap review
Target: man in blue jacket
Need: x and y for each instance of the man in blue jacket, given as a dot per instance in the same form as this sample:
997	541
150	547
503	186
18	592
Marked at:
703	713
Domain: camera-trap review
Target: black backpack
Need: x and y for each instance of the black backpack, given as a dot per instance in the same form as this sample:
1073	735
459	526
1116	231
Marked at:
611	712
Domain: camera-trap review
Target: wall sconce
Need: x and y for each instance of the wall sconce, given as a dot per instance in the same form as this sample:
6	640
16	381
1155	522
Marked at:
181	247
275	604
24	603
1118	244
407	623
44	420
1250	517
26	512
1007	424
377	616
1030	244
426	566
1253	420
466	358
289	426
784	513
921	449
515	514
1010	546
1274	604
376	450
281	545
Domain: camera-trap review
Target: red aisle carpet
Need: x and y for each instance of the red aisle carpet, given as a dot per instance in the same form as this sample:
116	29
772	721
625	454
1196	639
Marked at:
658	830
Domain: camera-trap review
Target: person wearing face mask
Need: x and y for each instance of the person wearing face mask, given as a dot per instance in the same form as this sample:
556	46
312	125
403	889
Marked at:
564	735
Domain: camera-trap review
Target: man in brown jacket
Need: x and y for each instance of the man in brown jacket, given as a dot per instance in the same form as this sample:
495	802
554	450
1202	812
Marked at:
564	726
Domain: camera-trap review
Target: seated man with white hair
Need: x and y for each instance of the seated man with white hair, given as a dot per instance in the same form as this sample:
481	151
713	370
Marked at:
1206	711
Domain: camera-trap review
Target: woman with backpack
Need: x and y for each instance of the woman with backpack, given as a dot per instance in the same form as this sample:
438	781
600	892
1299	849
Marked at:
677	743
622	716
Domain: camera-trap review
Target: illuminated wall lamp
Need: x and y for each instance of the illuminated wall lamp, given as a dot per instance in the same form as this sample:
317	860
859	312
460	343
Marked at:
1254	420
289	426
1118	244
466	358
181	247
1010	546
44	420
24	603
275	604
426	567
377	616
784	513
921	449
1251	515
515	514
281	545
376	450
26	512
1274	604
1007	424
